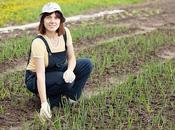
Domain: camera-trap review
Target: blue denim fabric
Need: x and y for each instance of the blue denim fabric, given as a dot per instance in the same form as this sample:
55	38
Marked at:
56	86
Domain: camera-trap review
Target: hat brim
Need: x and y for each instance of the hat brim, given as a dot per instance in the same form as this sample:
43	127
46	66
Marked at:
63	18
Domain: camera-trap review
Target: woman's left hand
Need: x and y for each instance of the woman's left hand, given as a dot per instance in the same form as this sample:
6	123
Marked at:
45	113
69	76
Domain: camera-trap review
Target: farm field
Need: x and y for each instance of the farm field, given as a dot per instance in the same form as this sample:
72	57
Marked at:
21	12
132	85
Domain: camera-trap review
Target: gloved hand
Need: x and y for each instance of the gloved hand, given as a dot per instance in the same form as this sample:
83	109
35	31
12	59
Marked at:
45	113
69	76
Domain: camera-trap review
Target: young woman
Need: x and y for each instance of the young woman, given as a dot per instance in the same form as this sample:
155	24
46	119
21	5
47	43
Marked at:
53	70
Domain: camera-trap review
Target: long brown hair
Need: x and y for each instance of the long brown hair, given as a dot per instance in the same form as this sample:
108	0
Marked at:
60	30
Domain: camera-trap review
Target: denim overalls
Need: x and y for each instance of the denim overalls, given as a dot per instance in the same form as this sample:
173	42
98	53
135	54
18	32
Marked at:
55	84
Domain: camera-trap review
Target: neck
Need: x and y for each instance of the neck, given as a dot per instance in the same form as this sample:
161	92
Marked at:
51	35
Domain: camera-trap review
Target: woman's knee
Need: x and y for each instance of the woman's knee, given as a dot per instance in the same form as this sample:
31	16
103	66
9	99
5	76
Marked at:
85	63
89	64
53	78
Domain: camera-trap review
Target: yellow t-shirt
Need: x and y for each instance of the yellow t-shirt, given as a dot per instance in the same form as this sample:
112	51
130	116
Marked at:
38	49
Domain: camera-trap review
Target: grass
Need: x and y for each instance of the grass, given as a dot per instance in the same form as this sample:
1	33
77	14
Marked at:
15	48
20	11
144	101
112	57
18	47
15	83
92	31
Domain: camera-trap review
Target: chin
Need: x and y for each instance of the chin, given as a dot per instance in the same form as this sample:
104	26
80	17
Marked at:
52	30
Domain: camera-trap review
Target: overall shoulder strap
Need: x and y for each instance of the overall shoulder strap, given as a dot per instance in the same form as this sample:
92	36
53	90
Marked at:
46	44
65	39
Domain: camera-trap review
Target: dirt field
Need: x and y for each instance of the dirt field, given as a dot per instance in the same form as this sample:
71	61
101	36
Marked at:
163	17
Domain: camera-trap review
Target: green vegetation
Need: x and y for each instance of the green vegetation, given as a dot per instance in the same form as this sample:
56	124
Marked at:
117	56
17	47
88	31
143	101
20	11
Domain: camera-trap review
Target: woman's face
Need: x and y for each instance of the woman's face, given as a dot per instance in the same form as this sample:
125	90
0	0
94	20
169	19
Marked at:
51	22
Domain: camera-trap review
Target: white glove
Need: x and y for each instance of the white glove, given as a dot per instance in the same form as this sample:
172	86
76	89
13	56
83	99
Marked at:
45	113
69	76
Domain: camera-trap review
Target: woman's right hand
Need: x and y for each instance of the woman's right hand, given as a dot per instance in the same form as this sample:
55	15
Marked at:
45	113
69	76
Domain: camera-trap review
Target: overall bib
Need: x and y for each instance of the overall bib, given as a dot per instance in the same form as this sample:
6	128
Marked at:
55	84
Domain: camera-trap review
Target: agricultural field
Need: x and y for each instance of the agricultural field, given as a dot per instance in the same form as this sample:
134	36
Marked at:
20	11
132	85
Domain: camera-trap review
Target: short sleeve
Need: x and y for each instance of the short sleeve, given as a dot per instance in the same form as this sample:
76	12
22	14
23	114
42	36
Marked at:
69	37
38	48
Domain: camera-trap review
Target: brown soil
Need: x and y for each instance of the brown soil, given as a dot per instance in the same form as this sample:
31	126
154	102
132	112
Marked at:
9	65
166	52
15	115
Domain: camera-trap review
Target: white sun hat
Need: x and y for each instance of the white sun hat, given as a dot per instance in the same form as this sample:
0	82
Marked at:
52	7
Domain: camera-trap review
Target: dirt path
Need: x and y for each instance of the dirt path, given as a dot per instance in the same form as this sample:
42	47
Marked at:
165	18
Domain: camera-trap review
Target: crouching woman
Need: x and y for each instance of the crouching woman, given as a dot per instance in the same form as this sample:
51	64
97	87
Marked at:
52	69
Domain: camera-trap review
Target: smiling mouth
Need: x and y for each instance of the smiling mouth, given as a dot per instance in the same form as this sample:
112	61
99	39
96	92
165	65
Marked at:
52	25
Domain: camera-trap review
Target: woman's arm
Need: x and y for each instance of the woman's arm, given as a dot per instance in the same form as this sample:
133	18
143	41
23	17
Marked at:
45	112
37	51
71	57
40	72
70	51
69	75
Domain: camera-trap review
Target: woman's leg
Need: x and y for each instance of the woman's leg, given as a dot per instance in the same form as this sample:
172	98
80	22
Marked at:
54	87
82	71
30	81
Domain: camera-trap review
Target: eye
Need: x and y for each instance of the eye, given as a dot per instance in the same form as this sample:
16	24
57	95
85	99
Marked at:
57	17
48	17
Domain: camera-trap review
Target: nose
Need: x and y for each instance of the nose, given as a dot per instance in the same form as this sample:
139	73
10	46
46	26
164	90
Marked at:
52	20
